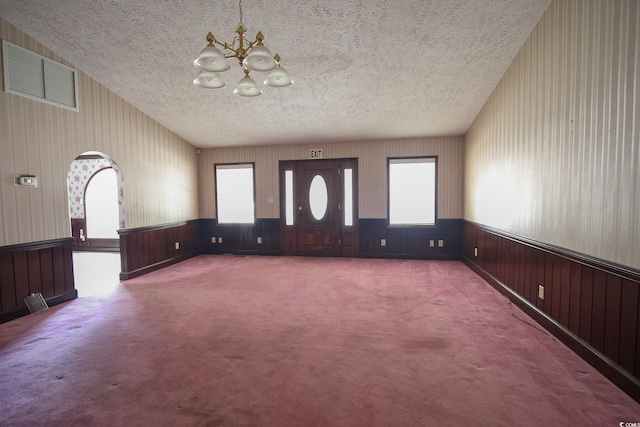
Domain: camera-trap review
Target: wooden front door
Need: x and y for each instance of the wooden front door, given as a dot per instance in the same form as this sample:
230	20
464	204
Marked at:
313	205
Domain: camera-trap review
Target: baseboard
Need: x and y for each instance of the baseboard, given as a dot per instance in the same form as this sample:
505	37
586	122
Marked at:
126	275
243	252
605	366
438	257
95	249
24	311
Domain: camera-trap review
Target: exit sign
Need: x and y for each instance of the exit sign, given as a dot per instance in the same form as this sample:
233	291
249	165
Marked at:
316	153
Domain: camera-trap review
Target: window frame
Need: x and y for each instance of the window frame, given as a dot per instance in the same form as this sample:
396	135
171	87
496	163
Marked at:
432	158
230	166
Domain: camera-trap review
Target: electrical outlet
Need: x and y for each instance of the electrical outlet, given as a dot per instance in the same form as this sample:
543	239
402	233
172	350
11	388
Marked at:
432	243
259	240
213	240
441	243
383	242
475	252
540	291
177	245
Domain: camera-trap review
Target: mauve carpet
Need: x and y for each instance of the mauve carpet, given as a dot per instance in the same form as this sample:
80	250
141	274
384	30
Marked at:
292	341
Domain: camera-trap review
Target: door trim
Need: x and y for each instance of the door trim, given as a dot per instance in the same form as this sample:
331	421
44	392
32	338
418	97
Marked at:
289	234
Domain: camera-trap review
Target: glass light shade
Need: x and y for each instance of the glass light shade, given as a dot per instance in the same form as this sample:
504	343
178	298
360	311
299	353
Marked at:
247	87
278	78
211	59
259	59
209	80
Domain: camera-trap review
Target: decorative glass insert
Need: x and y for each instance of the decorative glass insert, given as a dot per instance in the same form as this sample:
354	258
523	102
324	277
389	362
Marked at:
318	197
348	197
288	190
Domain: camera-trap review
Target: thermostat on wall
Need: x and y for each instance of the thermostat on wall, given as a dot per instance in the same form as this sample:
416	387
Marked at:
26	180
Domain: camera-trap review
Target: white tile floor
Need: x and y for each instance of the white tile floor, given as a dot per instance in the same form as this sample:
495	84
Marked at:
96	272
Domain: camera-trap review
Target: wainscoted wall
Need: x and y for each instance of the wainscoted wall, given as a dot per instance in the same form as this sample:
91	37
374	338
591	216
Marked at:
240	239
411	242
146	249
159	168
83	243
554	155
401	242
43	267
590	304
372	171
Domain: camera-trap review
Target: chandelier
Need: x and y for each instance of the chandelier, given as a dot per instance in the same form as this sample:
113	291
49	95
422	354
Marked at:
252	56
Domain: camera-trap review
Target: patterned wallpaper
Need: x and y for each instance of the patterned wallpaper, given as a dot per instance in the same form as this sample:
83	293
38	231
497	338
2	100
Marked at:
158	168
372	171
554	155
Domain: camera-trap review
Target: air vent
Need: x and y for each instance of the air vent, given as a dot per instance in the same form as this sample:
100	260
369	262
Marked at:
28	74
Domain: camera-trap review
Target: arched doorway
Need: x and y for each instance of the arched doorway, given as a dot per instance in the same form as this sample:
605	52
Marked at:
96	212
96	197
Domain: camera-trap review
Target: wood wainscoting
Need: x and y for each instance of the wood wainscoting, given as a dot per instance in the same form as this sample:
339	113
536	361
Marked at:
241	239
42	267
591	305
401	242
442	241
81	242
146	249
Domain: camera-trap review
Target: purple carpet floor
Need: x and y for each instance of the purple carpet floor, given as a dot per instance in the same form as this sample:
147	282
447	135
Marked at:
292	341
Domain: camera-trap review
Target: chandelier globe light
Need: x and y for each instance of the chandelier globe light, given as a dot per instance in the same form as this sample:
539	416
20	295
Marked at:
278	78
209	80
251	55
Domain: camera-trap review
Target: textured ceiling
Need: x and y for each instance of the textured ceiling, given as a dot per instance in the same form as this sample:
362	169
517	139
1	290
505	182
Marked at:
363	69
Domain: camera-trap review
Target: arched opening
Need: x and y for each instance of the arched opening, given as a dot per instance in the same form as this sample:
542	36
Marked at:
96	211
101	207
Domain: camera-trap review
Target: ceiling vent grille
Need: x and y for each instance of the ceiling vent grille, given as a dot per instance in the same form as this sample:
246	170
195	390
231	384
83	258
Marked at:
28	74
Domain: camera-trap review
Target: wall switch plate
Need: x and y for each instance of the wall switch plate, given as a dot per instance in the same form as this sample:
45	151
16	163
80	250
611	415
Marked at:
432	243
441	243
177	245
383	242
259	240
213	240
475	252
219	239
540	291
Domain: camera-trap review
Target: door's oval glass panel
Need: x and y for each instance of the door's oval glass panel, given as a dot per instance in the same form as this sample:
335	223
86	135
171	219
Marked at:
318	197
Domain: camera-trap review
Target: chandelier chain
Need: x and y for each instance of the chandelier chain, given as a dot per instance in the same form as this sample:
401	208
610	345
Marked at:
240	7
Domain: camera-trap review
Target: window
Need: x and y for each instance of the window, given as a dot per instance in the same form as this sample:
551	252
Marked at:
288	185
412	191
348	197
235	202
101	205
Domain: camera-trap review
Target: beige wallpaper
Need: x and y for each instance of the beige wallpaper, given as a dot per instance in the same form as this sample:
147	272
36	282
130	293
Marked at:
372	167
554	154
159	169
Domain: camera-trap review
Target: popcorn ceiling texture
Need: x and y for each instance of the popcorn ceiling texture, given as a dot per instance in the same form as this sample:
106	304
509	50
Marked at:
362	70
